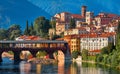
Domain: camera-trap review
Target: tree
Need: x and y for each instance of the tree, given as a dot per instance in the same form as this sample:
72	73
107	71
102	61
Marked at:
41	54
27	31
14	31
53	24
41	26
85	54
31	29
118	37
3	34
99	58
55	37
104	50
72	23
75	54
110	47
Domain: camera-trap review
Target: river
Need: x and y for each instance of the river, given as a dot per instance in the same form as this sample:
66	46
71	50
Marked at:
8	67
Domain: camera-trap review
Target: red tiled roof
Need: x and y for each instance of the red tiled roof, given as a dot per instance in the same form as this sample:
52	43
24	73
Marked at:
30	37
95	50
81	28
77	16
112	15
95	35
66	12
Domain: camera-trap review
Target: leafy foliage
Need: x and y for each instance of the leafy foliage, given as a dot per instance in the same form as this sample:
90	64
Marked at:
53	24
72	23
3	34
27	31
41	54
41	26
14	31
111	55
75	54
85	54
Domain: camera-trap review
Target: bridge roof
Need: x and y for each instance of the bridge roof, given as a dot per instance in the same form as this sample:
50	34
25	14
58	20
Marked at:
31	41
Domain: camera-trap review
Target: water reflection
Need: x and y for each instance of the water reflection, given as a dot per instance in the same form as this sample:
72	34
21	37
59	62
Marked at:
61	67
25	67
65	68
38	68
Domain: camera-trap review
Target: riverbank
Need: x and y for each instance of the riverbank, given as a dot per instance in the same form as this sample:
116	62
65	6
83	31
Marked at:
41	61
6	54
93	62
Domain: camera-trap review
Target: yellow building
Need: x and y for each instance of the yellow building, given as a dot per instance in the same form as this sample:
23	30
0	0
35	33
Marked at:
75	44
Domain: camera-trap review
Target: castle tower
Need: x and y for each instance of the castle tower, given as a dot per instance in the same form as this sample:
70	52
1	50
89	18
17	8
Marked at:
83	11
89	17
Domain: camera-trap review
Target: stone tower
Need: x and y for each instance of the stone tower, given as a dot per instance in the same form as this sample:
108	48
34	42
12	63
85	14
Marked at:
83	11
89	17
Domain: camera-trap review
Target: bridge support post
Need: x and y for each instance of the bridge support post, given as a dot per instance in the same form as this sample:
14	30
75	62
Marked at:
51	56
0	56
33	53
17	56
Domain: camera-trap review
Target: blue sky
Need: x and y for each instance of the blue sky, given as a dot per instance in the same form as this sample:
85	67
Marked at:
18	11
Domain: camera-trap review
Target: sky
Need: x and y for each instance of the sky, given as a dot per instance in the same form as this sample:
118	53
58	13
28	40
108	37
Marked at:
19	11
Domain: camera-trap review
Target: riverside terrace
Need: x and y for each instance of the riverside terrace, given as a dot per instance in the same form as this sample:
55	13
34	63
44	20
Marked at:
50	46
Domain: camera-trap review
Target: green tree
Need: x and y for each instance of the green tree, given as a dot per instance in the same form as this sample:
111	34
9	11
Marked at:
75	54
14	31
55	37
27	31
99	58
85	54
53	24
3	34
41	54
118	37
31	29
104	50
72	23
41	26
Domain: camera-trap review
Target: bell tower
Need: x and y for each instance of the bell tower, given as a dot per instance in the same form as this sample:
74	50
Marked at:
83	11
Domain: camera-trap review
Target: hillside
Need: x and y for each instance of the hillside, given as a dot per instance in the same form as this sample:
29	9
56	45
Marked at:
74	6
18	11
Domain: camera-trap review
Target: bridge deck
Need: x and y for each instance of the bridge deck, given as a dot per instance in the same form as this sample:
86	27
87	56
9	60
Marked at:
38	41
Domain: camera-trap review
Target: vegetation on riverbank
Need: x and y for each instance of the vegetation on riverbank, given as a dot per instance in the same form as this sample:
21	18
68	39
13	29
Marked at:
109	56
40	27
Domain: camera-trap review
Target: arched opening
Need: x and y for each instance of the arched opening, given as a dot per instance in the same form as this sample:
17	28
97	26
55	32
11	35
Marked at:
25	55
42	54
7	56
59	55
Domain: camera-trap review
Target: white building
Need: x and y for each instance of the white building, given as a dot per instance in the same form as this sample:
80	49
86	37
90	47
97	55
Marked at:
76	31
94	42
89	17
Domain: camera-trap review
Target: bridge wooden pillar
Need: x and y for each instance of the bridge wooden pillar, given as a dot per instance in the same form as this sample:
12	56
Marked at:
33	53
51	56
1	56
17	56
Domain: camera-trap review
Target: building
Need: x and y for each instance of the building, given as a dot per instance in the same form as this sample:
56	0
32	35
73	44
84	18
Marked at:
76	31
63	20
24	38
104	18
83	11
51	33
75	44
81	24
95	42
61	27
89	17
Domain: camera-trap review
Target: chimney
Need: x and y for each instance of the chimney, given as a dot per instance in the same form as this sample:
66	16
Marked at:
83	11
